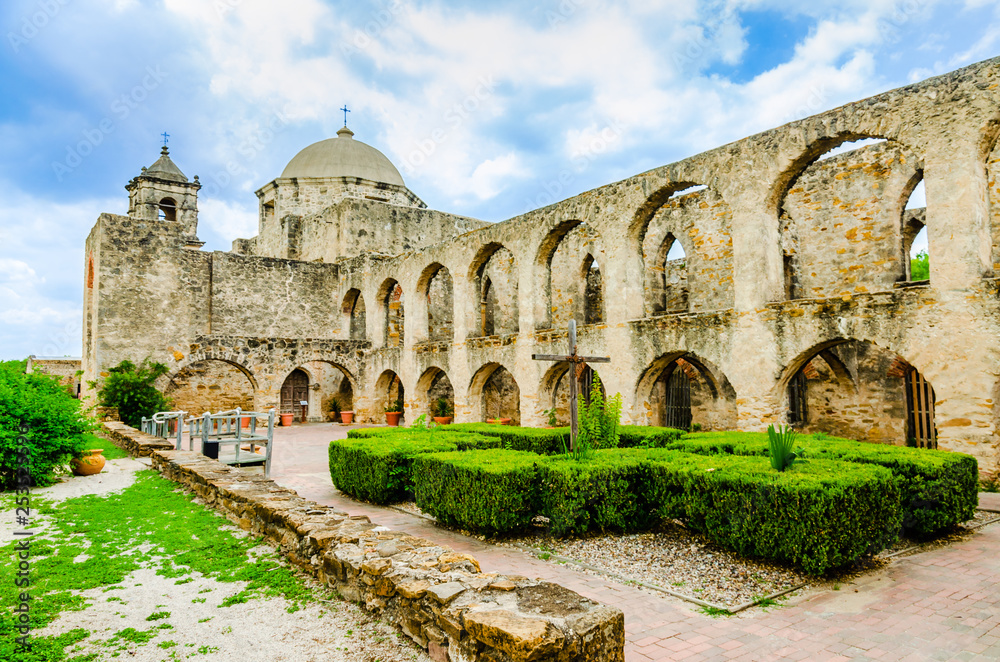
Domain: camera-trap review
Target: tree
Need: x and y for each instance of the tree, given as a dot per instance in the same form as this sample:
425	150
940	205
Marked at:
129	387
51	422
920	266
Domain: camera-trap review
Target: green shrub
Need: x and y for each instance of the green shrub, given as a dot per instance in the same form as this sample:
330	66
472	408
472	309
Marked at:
463	440
939	488
600	492
779	447
55	425
534	440
485	491
647	436
377	468
599	419
129	387
818	515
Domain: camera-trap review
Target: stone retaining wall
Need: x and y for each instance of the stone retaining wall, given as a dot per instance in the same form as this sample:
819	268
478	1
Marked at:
438	597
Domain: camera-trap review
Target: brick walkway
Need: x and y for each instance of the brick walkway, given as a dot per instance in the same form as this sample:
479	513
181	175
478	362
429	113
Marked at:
938	605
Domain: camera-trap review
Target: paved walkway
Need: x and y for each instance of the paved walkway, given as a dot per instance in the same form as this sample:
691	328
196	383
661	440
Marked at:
938	605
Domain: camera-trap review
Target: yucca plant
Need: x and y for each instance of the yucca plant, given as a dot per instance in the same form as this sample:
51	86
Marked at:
780	443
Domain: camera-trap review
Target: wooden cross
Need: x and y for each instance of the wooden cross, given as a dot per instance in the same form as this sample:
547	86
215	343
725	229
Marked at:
577	365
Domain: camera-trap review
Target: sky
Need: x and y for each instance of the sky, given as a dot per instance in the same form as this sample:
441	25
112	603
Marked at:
488	109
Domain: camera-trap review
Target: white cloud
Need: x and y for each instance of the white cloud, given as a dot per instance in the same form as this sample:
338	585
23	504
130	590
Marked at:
489	176
228	220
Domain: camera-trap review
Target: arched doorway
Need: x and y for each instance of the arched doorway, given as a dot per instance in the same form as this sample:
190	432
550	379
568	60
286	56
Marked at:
295	392
211	385
686	392
497	392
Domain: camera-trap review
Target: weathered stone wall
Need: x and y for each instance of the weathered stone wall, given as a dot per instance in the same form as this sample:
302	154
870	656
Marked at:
65	369
210	386
439	598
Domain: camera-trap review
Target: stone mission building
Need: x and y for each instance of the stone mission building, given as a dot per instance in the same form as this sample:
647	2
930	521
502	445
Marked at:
764	281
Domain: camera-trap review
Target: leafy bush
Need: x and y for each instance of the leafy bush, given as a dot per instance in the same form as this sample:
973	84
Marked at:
647	436
939	488
377	468
779	447
820	515
599	419
485	491
535	440
129	387
920	267
55	425
601	492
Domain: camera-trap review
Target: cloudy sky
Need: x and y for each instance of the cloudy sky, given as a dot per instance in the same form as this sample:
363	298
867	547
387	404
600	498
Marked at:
488	109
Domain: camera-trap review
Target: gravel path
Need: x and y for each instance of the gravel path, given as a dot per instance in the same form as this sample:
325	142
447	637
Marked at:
152	618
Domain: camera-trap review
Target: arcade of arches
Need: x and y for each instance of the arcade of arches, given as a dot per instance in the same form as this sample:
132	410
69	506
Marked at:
767	281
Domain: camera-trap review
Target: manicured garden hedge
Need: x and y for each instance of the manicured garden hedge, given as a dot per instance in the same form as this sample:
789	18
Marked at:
647	436
377	468
939	488
544	441
486	491
464	440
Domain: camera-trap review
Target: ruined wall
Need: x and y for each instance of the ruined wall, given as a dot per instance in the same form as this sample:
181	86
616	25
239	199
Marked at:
842	221
440	307
568	282
498	292
210	386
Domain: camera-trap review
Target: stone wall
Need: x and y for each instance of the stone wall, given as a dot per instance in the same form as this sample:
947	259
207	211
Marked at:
439	598
210	386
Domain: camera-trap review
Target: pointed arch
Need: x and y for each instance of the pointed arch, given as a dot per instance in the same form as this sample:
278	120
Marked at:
495	391
494	270
702	396
435	285
355	319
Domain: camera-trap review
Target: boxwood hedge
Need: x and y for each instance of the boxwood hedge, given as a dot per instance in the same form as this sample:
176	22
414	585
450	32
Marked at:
544	441
647	436
486	491
464	440
938	488
377	468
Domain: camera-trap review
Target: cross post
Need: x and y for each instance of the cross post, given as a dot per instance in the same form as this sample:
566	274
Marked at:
166	137
577	364
345	113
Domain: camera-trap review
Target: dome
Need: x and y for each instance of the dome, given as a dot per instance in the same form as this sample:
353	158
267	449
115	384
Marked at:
343	156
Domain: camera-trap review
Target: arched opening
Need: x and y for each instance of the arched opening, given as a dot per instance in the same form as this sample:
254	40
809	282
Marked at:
295	395
168	209
840	217
436	285
685	239
354	314
567	268
556	389
593	293
683	391
497	392
436	393
330	390
858	390
388	391
494	277
211	385
393	313
916	248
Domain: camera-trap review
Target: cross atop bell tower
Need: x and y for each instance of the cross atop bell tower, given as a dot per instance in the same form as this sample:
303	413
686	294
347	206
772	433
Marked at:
163	193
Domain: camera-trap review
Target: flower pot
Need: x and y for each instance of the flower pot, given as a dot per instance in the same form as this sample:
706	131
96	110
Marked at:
346	417
392	418
499	421
286	420
245	421
91	463
442	420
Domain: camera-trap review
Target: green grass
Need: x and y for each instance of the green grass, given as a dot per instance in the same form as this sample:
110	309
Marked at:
182	537
111	452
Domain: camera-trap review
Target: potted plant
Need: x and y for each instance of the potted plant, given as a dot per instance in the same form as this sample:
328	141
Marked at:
393	412
346	416
333	408
499	421
443	411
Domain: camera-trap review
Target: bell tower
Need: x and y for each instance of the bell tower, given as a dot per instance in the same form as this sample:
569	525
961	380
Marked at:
162	192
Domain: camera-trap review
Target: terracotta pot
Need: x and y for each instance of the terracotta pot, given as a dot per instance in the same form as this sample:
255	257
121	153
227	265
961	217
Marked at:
392	418
442	420
245	421
286	420
499	421
346	417
91	463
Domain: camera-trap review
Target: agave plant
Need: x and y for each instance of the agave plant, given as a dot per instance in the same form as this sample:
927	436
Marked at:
780	443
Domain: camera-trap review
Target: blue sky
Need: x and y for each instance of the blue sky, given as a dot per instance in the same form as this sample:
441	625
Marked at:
529	102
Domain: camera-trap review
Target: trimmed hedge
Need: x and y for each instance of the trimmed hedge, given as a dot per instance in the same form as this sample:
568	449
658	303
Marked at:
376	468
819	514
605	491
485	491
647	436
939	488
464	440
544	441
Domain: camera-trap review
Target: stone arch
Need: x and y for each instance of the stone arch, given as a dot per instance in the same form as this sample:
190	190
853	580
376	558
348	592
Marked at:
855	388
432	385
554	392
435	285
494	391
167	207
710	397
388	388
355	318
493	274
327	380
557	268
912	223
592	280
392	313
211	385
841	219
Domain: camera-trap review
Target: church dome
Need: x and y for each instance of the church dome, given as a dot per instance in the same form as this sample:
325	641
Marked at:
343	156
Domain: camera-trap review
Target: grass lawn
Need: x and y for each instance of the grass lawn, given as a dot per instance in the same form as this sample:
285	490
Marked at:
111	452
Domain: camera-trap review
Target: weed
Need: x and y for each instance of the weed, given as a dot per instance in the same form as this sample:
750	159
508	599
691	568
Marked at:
714	612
